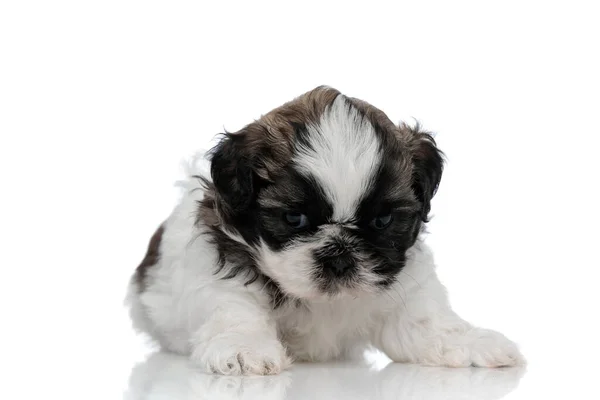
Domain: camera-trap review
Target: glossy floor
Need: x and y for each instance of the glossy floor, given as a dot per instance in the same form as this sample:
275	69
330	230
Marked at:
166	376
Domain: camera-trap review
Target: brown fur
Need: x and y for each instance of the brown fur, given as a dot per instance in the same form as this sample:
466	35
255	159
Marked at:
273	134
151	258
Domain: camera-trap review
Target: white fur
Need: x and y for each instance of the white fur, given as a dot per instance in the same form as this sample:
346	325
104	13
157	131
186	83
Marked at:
291	269
229	328
344	156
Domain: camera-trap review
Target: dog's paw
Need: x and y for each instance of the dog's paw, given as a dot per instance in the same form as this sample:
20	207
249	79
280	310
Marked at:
477	348
492	349
237	355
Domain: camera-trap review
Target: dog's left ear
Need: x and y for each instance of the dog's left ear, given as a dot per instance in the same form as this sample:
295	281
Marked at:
428	164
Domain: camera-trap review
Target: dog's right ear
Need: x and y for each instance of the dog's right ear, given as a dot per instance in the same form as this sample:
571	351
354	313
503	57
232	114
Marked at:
232	173
244	162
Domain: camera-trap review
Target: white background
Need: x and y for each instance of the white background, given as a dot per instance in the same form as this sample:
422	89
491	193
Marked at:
101	100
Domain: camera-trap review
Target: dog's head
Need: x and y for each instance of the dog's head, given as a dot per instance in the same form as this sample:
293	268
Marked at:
325	193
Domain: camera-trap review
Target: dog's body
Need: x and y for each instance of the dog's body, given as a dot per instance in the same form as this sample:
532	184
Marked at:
247	274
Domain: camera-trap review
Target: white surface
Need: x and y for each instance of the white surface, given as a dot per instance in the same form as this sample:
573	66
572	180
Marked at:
167	376
100	100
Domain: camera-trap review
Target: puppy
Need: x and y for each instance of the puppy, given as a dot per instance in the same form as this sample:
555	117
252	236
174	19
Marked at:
303	243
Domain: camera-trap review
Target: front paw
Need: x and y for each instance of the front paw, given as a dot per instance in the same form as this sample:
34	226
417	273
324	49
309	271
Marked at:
492	349
477	348
236	354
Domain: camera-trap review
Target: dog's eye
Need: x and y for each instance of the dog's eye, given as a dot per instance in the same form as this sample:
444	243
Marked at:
296	220
381	221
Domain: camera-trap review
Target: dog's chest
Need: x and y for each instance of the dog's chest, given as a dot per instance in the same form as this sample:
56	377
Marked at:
324	331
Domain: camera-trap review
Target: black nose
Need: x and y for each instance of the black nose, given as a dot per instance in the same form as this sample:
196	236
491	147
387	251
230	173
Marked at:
338	265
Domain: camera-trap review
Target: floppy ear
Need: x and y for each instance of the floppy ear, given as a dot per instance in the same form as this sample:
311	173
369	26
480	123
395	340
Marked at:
232	173
428	164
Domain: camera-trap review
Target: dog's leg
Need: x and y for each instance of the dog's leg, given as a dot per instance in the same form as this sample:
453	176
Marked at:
239	338
423	329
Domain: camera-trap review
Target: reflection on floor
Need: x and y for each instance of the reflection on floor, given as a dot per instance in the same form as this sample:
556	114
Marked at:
168	376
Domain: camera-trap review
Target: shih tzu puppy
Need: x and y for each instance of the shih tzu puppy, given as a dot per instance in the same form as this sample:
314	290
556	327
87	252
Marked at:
301	241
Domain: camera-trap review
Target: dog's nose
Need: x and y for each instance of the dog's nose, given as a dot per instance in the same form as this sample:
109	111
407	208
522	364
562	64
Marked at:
338	265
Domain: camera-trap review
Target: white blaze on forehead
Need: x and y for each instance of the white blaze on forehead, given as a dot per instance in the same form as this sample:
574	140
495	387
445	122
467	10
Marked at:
343	156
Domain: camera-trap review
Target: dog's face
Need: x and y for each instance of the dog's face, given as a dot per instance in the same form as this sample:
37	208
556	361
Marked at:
326	193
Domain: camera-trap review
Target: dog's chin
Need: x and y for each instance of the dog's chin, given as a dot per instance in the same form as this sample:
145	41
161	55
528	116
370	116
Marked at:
332	291
344	292
349	291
